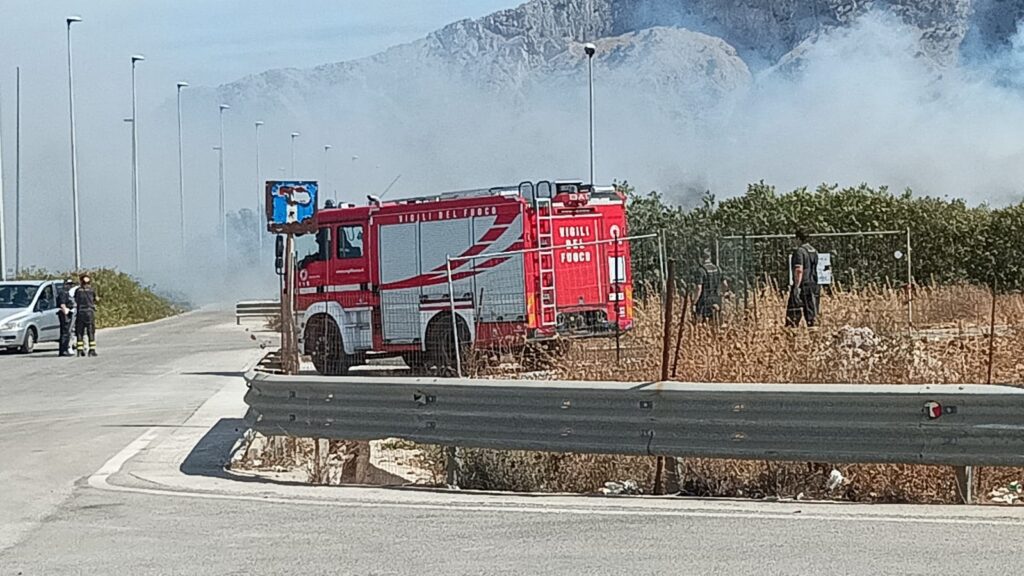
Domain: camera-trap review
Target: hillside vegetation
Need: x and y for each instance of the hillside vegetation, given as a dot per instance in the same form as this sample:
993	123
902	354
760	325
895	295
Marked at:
122	299
952	241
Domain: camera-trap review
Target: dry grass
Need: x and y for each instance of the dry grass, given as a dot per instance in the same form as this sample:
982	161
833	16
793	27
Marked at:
756	347
864	337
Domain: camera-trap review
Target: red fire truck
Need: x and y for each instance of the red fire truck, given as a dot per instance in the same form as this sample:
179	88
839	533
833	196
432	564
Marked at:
538	261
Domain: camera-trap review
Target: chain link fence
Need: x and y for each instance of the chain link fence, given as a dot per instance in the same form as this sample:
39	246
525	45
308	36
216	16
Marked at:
584	306
880	324
878	262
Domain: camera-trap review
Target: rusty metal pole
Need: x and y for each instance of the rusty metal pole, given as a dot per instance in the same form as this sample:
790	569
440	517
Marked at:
670	296
679	332
666	347
289	347
992	332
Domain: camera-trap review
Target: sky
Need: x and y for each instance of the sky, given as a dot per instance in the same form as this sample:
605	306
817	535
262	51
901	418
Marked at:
203	42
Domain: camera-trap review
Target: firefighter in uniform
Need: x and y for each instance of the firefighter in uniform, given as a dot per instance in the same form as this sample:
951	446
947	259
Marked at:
803	295
708	286
66	305
85	316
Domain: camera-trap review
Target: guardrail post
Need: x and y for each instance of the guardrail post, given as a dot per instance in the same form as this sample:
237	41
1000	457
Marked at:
451	466
965	483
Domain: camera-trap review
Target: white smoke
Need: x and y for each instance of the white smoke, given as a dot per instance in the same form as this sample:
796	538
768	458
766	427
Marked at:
867	106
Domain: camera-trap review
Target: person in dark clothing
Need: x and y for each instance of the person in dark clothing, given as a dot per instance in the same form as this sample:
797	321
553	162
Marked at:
803	295
66	306
85	316
708	287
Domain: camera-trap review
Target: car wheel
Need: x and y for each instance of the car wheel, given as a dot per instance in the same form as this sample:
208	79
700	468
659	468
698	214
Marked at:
30	341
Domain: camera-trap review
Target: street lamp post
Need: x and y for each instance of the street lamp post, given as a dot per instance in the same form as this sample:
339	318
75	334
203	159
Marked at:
221	207
327	148
591	49
74	154
135	166
3	230
181	176
294	136
17	174
259	193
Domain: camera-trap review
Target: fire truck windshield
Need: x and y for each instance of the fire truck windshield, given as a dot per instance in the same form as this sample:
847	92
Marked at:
311	248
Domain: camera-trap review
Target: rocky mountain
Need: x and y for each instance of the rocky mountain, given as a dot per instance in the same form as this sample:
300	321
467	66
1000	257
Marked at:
765	30
490	99
511	48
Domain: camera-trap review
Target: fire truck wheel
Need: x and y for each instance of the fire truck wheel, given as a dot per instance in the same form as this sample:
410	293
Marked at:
441	342
324	344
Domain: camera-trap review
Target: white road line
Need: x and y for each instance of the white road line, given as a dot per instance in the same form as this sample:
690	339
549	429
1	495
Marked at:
100	480
114	465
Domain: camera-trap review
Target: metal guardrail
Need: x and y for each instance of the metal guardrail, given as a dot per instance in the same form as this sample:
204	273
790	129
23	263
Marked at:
935	424
257	309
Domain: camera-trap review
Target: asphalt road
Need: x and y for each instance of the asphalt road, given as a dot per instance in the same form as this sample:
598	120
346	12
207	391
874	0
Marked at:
139	409
62	418
105	533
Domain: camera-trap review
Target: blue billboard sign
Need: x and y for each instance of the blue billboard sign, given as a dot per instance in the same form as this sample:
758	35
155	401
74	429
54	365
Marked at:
291	206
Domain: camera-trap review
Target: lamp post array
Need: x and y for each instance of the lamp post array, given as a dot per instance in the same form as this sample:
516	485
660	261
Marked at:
295	135
181	177
136	177
590	50
259	192
135	166
221	207
74	153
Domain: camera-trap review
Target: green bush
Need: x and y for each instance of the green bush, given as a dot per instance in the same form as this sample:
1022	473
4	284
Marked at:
122	300
952	242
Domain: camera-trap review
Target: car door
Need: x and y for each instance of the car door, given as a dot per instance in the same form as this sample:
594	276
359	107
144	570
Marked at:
45	313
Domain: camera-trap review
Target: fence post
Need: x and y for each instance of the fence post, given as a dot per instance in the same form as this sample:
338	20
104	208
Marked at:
451	466
965	483
666	348
746	286
455	317
910	285
289	345
666	337
618	306
992	332
661	262
682	325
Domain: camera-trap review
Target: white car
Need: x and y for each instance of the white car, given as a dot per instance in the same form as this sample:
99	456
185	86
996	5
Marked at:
28	314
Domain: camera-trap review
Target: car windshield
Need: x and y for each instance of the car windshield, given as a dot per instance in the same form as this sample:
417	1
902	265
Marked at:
17	295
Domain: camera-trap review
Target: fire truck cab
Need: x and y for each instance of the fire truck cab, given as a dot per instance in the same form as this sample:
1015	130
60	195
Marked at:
515	264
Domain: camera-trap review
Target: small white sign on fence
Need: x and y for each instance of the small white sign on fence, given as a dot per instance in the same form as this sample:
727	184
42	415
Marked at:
824	268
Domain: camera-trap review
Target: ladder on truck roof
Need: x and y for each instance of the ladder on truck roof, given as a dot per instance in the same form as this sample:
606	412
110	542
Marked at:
546	258
525	190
